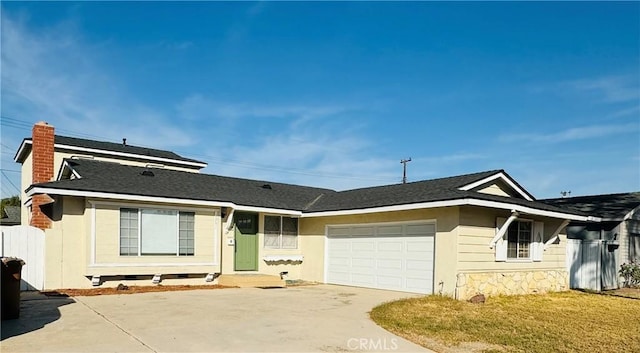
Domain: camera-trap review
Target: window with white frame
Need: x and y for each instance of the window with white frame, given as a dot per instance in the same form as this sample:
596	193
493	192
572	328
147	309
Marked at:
519	238
156	232
280	232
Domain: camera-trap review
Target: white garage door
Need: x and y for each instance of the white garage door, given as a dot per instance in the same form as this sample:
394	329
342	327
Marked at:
394	256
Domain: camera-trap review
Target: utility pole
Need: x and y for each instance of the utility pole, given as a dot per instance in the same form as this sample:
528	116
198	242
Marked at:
404	169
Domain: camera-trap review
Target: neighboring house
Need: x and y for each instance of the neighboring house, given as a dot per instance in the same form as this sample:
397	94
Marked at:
603	246
10	216
115	212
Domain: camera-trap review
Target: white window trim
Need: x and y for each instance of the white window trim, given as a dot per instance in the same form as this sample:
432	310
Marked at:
140	233
280	235
521	259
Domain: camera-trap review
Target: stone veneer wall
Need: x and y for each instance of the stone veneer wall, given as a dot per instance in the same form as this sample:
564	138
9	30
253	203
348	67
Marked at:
521	282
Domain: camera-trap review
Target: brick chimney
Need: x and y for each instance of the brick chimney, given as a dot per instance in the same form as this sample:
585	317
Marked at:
42	170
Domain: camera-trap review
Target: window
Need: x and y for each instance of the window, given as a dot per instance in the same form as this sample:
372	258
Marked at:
156	232
519	240
129	232
280	232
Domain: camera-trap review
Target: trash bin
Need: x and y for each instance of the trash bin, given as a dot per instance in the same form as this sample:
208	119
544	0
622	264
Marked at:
10	291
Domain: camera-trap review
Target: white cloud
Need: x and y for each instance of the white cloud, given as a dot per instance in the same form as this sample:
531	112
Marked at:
56	76
614	88
571	134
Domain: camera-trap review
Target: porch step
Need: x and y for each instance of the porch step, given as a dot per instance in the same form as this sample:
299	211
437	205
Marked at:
251	280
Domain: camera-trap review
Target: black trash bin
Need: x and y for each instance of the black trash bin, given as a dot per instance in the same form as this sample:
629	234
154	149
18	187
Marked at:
10	291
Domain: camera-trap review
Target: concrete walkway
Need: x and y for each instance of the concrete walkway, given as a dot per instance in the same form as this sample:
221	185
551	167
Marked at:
320	318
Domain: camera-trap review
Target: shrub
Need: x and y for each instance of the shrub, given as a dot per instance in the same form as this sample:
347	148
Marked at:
631	274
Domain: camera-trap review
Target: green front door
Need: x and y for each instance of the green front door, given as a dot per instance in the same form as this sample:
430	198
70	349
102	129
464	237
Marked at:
246	239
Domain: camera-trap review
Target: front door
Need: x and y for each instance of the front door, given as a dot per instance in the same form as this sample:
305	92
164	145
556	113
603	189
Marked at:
246	240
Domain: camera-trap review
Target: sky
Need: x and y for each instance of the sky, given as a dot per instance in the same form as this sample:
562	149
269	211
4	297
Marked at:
335	94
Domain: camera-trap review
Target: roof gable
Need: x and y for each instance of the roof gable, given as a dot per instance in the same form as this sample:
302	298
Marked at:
497	184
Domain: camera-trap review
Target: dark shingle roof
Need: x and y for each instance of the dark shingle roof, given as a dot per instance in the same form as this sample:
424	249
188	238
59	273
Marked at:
109	177
99	176
398	194
442	189
611	206
116	147
11	215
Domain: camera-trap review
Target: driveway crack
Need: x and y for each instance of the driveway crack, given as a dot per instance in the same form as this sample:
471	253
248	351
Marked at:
116	325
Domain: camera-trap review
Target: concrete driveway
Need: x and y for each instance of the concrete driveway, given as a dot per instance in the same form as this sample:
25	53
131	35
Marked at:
320	318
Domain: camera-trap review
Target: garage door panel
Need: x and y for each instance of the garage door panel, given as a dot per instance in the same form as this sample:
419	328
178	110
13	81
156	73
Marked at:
395	265
362	245
365	262
338	262
382	256
389	245
418	265
419	246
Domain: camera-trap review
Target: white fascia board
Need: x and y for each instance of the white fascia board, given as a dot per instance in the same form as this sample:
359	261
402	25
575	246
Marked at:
64	166
407	207
20	149
494	177
458	202
267	210
530	210
107	195
123	154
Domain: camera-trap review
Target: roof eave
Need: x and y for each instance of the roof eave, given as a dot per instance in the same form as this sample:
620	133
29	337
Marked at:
18	157
456	202
41	189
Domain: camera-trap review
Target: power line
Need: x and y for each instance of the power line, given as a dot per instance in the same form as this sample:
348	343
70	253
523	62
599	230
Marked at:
22	124
10	182
10	170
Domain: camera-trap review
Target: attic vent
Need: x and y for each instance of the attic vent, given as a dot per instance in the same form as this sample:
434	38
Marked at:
147	173
81	157
266	186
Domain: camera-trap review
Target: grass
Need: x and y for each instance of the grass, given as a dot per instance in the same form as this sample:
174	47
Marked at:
557	322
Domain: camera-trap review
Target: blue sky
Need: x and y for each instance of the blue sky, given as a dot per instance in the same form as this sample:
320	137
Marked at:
335	94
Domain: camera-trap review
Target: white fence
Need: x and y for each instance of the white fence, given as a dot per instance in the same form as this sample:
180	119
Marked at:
26	243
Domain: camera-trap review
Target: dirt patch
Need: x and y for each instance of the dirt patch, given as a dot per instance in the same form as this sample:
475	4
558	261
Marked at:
633	293
127	290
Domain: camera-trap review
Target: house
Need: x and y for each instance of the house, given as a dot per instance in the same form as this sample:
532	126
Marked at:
10	216
114	212
600	248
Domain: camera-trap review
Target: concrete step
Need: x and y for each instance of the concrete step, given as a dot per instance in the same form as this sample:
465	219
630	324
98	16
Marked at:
251	280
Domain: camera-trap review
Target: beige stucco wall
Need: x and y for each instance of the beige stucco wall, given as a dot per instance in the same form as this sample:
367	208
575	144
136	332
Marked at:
69	247
25	182
66	245
269	268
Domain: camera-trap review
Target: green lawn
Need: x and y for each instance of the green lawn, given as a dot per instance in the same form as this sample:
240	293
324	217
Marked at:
557	322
